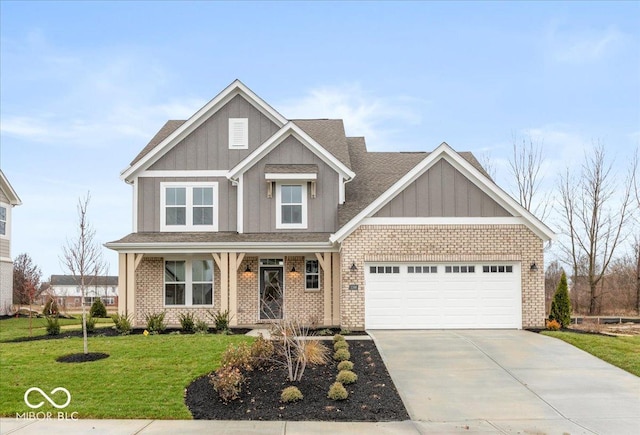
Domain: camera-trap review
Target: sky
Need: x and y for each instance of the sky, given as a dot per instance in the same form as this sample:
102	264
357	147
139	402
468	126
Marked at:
85	85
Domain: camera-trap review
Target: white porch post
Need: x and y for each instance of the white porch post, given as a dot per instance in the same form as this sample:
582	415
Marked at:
326	263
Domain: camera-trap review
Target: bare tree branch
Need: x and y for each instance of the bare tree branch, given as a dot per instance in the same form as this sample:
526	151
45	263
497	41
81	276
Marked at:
525	165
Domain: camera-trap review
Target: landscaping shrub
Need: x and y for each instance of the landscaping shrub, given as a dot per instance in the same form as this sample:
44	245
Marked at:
291	394
345	331
316	353
561	305
261	351
345	365
91	323
221	320
201	326
346	377
341	355
338	337
187	322
324	332
155	322
122	323
227	381
337	392
553	325
342	344
237	356
98	309
51	308
53	326
290	342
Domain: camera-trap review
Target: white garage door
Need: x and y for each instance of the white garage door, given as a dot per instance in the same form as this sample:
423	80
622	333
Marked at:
443	296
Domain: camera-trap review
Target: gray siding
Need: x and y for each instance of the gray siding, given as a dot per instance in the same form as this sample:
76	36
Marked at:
207	147
442	191
149	202
260	211
5	247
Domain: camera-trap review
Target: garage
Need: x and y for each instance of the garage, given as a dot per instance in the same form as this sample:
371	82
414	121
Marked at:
443	296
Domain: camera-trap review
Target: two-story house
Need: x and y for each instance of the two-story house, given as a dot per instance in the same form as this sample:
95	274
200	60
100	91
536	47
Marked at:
66	291
8	199
240	209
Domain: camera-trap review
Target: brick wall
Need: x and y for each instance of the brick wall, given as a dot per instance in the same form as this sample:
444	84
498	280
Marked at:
442	243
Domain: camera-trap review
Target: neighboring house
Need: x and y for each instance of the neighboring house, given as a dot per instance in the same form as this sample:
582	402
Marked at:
240	209
8	199
66	290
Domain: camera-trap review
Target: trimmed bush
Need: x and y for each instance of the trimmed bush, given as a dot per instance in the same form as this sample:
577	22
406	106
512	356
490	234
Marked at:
122	323
345	365
51	308
561	305
341	355
261	351
291	394
340	345
155	322
316	353
187	322
221	320
53	326
201	326
324	332
346	377
98	309
338	337
91	323
227	382
237	356
337	392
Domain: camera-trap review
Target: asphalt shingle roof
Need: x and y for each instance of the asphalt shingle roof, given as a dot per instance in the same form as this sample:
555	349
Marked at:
223	237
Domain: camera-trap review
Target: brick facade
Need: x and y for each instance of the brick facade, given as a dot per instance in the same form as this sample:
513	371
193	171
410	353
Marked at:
442	243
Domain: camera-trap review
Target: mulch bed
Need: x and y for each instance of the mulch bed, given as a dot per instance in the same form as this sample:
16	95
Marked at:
372	398
82	357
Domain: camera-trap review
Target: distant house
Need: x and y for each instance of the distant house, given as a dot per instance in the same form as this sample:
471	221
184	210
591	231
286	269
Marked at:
66	290
8	199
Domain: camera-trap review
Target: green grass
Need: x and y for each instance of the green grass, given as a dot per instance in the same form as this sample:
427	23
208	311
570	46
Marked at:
19	327
144	376
623	352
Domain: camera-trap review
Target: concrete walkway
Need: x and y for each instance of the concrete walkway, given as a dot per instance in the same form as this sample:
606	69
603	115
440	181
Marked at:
507	382
488	382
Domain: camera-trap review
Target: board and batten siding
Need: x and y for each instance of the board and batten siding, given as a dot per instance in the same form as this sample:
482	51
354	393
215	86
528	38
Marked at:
442	191
207	147
260	211
149	201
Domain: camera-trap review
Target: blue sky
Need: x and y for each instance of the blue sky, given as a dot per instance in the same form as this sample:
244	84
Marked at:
84	86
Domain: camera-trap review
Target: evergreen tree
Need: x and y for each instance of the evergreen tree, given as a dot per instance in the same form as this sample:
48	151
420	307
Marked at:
561	305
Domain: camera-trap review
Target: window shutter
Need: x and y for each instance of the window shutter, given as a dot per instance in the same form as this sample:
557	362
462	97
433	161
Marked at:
238	133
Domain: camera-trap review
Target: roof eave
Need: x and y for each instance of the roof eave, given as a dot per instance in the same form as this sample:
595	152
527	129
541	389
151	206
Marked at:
208	247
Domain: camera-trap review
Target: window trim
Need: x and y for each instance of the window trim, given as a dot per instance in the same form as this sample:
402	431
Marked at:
243	144
7	221
318	274
189	226
188	283
303	185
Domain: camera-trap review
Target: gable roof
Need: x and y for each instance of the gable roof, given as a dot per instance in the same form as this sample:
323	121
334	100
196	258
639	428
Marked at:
290	129
330	134
6	187
168	128
352	218
155	151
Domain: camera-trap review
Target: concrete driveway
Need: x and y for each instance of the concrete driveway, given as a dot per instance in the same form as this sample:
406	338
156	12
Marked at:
507	382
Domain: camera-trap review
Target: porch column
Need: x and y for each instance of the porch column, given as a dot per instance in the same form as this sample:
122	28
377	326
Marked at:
131	285
336	288
122	283
234	263
222	260
325	263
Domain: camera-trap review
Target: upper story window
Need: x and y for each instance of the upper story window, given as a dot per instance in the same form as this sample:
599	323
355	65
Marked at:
238	133
3	221
189	206
291	205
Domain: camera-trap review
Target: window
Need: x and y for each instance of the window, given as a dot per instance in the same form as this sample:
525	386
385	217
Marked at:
188	282
459	269
312	275
3	221
189	206
497	269
238	133
422	269
384	269
291	206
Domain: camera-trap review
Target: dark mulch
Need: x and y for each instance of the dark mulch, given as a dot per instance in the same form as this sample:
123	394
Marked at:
372	398
82	357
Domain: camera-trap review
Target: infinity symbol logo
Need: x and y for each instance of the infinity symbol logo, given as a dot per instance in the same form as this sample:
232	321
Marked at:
54	391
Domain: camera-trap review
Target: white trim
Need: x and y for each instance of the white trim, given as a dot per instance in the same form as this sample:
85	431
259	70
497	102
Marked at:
6	187
473	174
240	142
134	198
290	129
7	225
240	205
303	194
306	289
183	173
197	119
341	188
303	176
188	283
6	260
188	206
508	220
206	248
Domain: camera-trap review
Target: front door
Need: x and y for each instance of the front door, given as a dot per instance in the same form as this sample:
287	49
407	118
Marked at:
271	294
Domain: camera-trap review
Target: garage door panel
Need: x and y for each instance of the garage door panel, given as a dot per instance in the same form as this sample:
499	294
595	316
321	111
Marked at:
441	300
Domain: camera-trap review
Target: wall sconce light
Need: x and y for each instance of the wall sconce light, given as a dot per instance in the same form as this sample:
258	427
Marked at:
533	267
248	269
293	269
353	267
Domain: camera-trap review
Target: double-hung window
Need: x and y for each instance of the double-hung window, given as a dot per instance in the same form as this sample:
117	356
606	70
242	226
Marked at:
291	205
3	221
311	275
189	206
188	282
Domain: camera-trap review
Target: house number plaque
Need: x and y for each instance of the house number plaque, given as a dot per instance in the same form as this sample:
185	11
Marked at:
353	286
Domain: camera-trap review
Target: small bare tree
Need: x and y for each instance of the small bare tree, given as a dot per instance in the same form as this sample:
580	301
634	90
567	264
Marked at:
26	280
525	166
82	256
595	213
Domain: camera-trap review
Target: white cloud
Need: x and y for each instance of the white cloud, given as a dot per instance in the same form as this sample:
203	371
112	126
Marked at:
582	46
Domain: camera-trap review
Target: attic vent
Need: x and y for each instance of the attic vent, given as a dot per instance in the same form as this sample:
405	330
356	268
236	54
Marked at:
238	133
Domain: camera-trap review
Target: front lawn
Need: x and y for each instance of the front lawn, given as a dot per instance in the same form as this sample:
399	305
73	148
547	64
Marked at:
623	352
144	376
18	327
